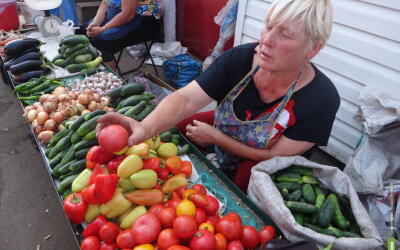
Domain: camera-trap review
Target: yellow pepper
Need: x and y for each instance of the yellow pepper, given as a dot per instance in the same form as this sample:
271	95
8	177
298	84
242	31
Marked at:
116	206
140	149
174	182
132	216
92	211
81	181
122	151
126	184
144	179
130	165
153	142
122	216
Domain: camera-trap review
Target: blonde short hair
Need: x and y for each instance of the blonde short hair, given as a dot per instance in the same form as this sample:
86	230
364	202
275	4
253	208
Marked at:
314	15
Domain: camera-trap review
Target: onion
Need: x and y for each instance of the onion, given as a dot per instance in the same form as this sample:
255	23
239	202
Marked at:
63	97
31	115
45	136
80	107
72	110
96	97
37	105
84	99
50	125
38	128
42	117
27	109
43	98
92	105
59	90
49	107
105	101
58	117
88	91
73	95
52	98
84	112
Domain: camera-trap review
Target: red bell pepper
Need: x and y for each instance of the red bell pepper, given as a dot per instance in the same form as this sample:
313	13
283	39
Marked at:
93	228
98	169
105	185
99	155
89	163
114	163
152	163
89	195
75	208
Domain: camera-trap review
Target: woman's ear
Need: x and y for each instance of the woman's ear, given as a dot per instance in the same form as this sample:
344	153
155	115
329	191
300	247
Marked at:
316	47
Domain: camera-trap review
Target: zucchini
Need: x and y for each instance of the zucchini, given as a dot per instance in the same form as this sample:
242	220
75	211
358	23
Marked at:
133	100
301	207
289	177
92	114
338	218
65	142
131	89
147	110
88	126
90	135
115	93
77	123
78	166
70	50
137	108
285	194
299	218
74	40
296	195
73	68
308	193
310	180
53	152
301	170
124	109
326	212
66	183
69	155
85	144
83	58
93	51
81	154
56	160
165	136
59	56
184	149
290	186
75	137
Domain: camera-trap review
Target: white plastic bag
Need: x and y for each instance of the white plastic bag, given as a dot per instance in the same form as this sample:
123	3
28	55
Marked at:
167	50
263	192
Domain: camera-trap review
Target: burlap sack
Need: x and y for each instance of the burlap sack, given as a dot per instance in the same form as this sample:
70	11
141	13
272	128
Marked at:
263	192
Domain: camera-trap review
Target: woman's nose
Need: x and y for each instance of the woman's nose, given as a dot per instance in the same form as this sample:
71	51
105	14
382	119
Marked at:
269	38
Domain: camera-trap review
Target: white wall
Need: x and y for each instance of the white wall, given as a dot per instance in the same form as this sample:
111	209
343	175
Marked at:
363	50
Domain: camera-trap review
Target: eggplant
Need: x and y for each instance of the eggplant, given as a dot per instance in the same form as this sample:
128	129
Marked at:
19	46
28	75
28	56
26	66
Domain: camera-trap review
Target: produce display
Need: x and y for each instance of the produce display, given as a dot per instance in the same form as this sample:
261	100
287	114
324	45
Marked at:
101	83
7	36
76	54
314	206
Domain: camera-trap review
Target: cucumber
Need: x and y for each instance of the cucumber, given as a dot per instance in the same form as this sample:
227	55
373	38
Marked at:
53	152
65	168
78	166
350	235
56	58
310	180
47	152
336	232
54	172
290	186
320	197
137	108
147	110
85	144
285	194
296	195
64	132
131	89
115	93
67	182
68	124
77	123
90	135
75	39
83	58
173	130
175	139
338	218
184	149
62	177
93	51
326	212
133	100
301	170
289	177
65	142
308	193
60	62
299	218
81	154
75	137
92	114
124	109
88	126
318	229
165	136
69	155
301	207
56	160
73	68
70	50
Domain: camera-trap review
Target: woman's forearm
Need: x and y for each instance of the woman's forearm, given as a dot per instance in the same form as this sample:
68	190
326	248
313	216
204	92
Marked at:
101	13
128	12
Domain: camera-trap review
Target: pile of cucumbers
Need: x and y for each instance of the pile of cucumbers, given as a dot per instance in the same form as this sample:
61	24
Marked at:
130	100
67	149
77	54
314	206
172	135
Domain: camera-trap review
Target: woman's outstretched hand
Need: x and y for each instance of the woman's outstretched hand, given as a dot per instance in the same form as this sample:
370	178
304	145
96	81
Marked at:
137	132
202	133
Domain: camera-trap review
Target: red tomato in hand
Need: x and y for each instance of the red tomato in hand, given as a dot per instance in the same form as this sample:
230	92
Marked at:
200	200
146	229
90	243
113	138
230	226
167	238
163	173
108	246
109	232
222	244
212	206
201	216
167	216
199	188
203	240
266	234
185	226
235	245
249	237
125	240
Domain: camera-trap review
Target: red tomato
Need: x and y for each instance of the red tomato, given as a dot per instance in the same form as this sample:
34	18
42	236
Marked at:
213	219
152	163
90	243
201	216
199	188
162	173
178	247
266	234
157	186
167	238
235	245
113	138
181	190
172	203
186	168
185	226
200	200
203	240
167	216
174	164
222	244
230	226
249	237
89	163
109	232
146	229
156	208
212	206
125	240
108	246
174	195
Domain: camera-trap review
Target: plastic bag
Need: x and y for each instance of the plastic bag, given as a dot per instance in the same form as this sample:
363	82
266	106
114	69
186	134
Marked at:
181	69
167	50
262	191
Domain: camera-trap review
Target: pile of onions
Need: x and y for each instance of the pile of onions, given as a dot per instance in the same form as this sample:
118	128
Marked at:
47	115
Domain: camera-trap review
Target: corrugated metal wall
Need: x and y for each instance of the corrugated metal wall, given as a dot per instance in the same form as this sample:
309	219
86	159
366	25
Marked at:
364	50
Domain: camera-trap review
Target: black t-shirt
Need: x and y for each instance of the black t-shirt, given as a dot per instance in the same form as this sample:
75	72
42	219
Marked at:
308	116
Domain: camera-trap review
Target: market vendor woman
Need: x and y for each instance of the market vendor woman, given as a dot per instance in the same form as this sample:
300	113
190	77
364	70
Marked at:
121	23
271	100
